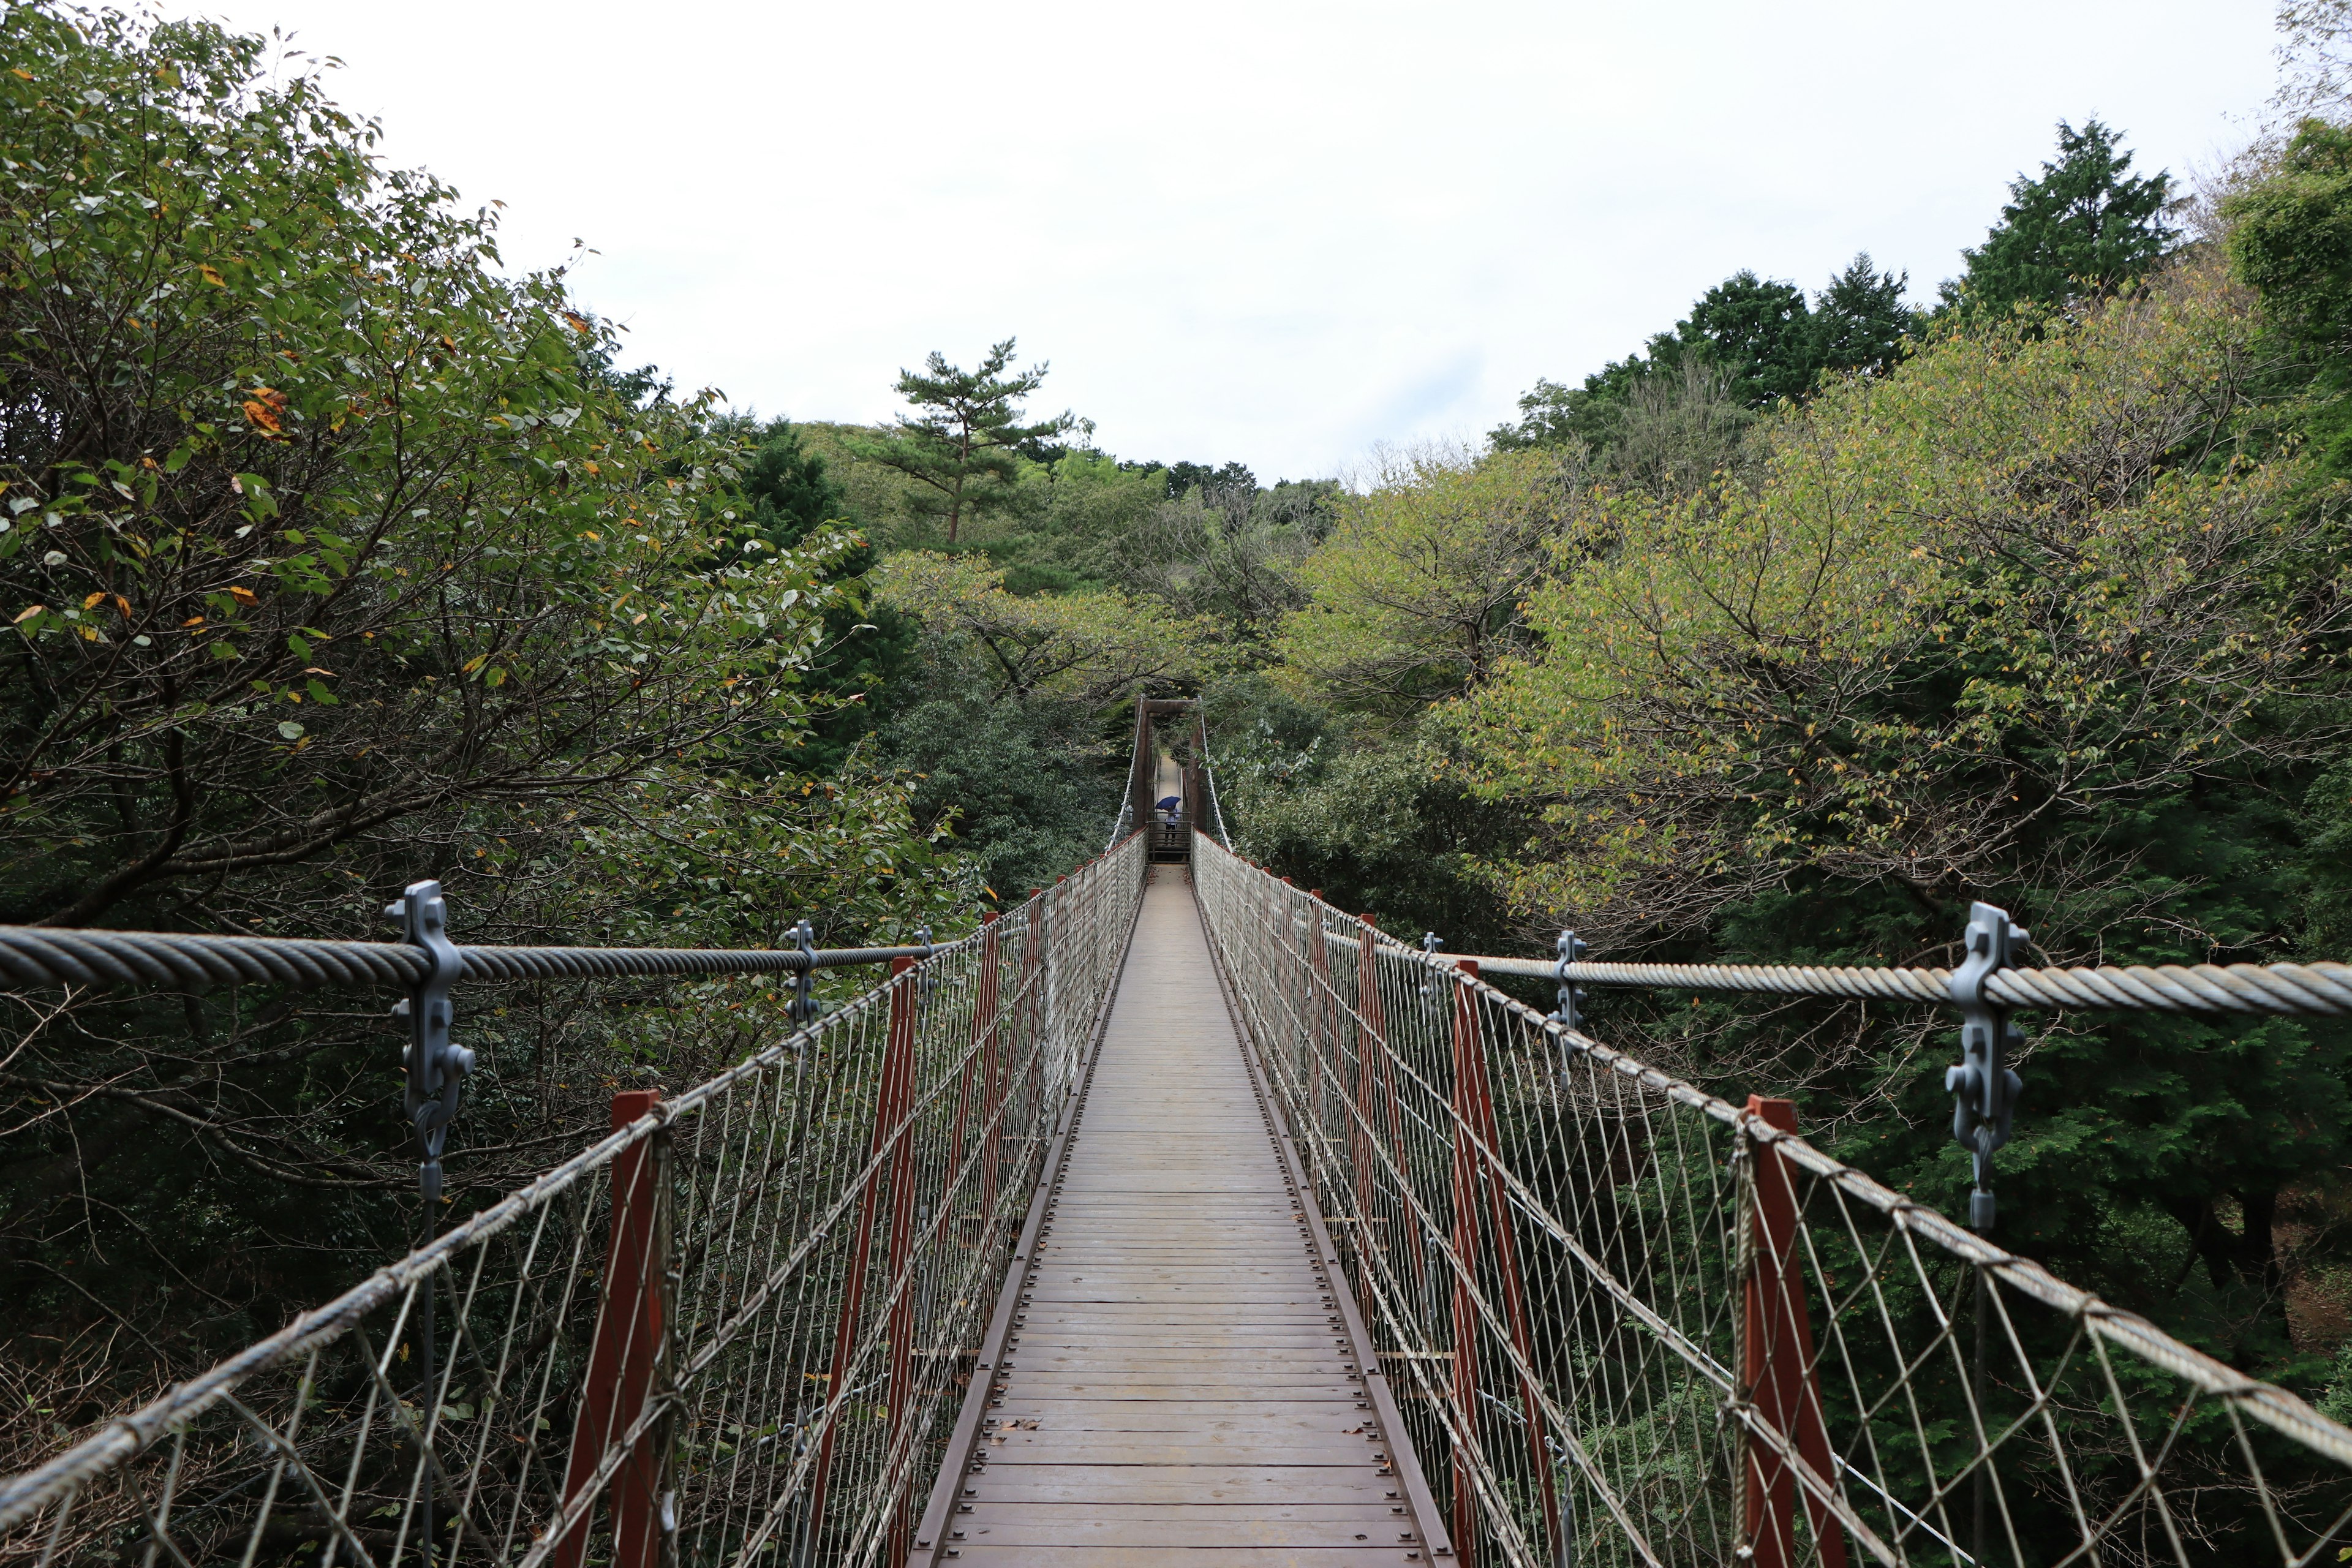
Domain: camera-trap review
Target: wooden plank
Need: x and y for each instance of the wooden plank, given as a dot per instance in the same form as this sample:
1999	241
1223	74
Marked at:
1204	1527
1186	1556
1178	1376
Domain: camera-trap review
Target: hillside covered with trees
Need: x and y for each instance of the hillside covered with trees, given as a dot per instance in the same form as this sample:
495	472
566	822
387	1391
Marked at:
335	553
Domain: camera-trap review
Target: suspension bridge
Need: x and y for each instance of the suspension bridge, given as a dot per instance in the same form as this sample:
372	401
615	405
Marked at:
1175	1215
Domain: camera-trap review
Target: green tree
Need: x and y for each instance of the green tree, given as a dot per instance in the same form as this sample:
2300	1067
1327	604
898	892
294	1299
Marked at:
334	557
2086	225
1094	649
791	490
1983	628
1753	341
868	649
1860	321
1415	595
1761	331
964	444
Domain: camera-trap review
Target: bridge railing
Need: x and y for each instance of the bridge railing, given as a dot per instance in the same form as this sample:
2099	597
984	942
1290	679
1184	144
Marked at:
1630	1322
736	1328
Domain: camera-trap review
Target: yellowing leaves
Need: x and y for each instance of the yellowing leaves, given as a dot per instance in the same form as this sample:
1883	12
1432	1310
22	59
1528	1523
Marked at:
211	275
1095	647
265	410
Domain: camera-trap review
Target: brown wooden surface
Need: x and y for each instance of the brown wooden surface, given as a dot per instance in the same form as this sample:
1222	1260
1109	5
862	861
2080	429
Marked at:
1179	1376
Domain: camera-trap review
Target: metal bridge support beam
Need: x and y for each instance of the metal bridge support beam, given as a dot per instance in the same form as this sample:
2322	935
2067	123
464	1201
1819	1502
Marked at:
988	1034
1780	1377
1477	1141
902	1178
891	1099
622	1359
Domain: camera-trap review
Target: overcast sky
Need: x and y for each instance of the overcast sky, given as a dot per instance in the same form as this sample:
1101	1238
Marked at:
1278	231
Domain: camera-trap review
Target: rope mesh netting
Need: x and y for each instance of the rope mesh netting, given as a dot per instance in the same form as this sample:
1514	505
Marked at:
738	1328
1629	1322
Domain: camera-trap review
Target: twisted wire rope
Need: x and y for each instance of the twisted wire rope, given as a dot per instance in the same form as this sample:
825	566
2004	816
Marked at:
1076	965
2292	990
39	955
1351	1048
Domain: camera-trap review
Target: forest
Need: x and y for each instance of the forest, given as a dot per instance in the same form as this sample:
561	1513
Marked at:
335	553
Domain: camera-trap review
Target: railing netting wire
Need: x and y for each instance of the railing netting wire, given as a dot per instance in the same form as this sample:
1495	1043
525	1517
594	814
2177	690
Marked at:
1631	1323
738	1330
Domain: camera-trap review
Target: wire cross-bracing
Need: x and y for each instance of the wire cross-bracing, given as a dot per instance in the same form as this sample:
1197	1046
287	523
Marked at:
735	1330
1624	1321
1630	1322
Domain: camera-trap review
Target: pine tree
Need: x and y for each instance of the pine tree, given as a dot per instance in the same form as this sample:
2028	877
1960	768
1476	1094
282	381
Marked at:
1860	321
2086	226
962	443
790	493
1759	329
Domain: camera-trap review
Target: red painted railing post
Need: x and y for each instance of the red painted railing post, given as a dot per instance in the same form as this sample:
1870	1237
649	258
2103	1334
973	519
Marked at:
991	1088
904	1178
1368	1040
1477	1147
621	1359
1323	1032
1465	1314
891	1095
1782	1382
1374	1014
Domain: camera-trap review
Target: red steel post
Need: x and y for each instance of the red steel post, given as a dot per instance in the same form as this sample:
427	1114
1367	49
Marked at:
1473	1100
891	1094
1323	1033
904	1178
991	1090
1783	1380
621	1357
1465	1314
1360	1138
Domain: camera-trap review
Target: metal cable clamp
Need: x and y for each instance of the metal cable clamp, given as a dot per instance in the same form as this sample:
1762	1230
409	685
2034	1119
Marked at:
1984	1088
435	1069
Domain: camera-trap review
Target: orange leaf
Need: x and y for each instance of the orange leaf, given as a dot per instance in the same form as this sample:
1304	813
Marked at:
576	322
242	596
212	276
264	407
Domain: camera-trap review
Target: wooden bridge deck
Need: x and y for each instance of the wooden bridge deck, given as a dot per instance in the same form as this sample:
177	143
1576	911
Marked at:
1183	1372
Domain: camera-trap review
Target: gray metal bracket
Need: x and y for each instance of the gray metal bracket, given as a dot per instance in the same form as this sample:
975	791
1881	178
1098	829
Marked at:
803	1006
1984	1088
1570	949
436	1069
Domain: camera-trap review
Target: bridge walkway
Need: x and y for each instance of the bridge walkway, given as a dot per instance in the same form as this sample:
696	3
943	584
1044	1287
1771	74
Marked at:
1184	1372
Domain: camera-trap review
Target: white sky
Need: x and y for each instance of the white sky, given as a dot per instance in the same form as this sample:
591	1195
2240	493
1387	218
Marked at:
1279	231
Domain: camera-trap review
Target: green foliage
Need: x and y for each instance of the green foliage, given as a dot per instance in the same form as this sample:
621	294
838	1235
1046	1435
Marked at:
2085	226
2290	238
1361	815
1748	342
2000	626
963	444
335	556
1415	594
1094	649
1025	790
788	494
791	490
